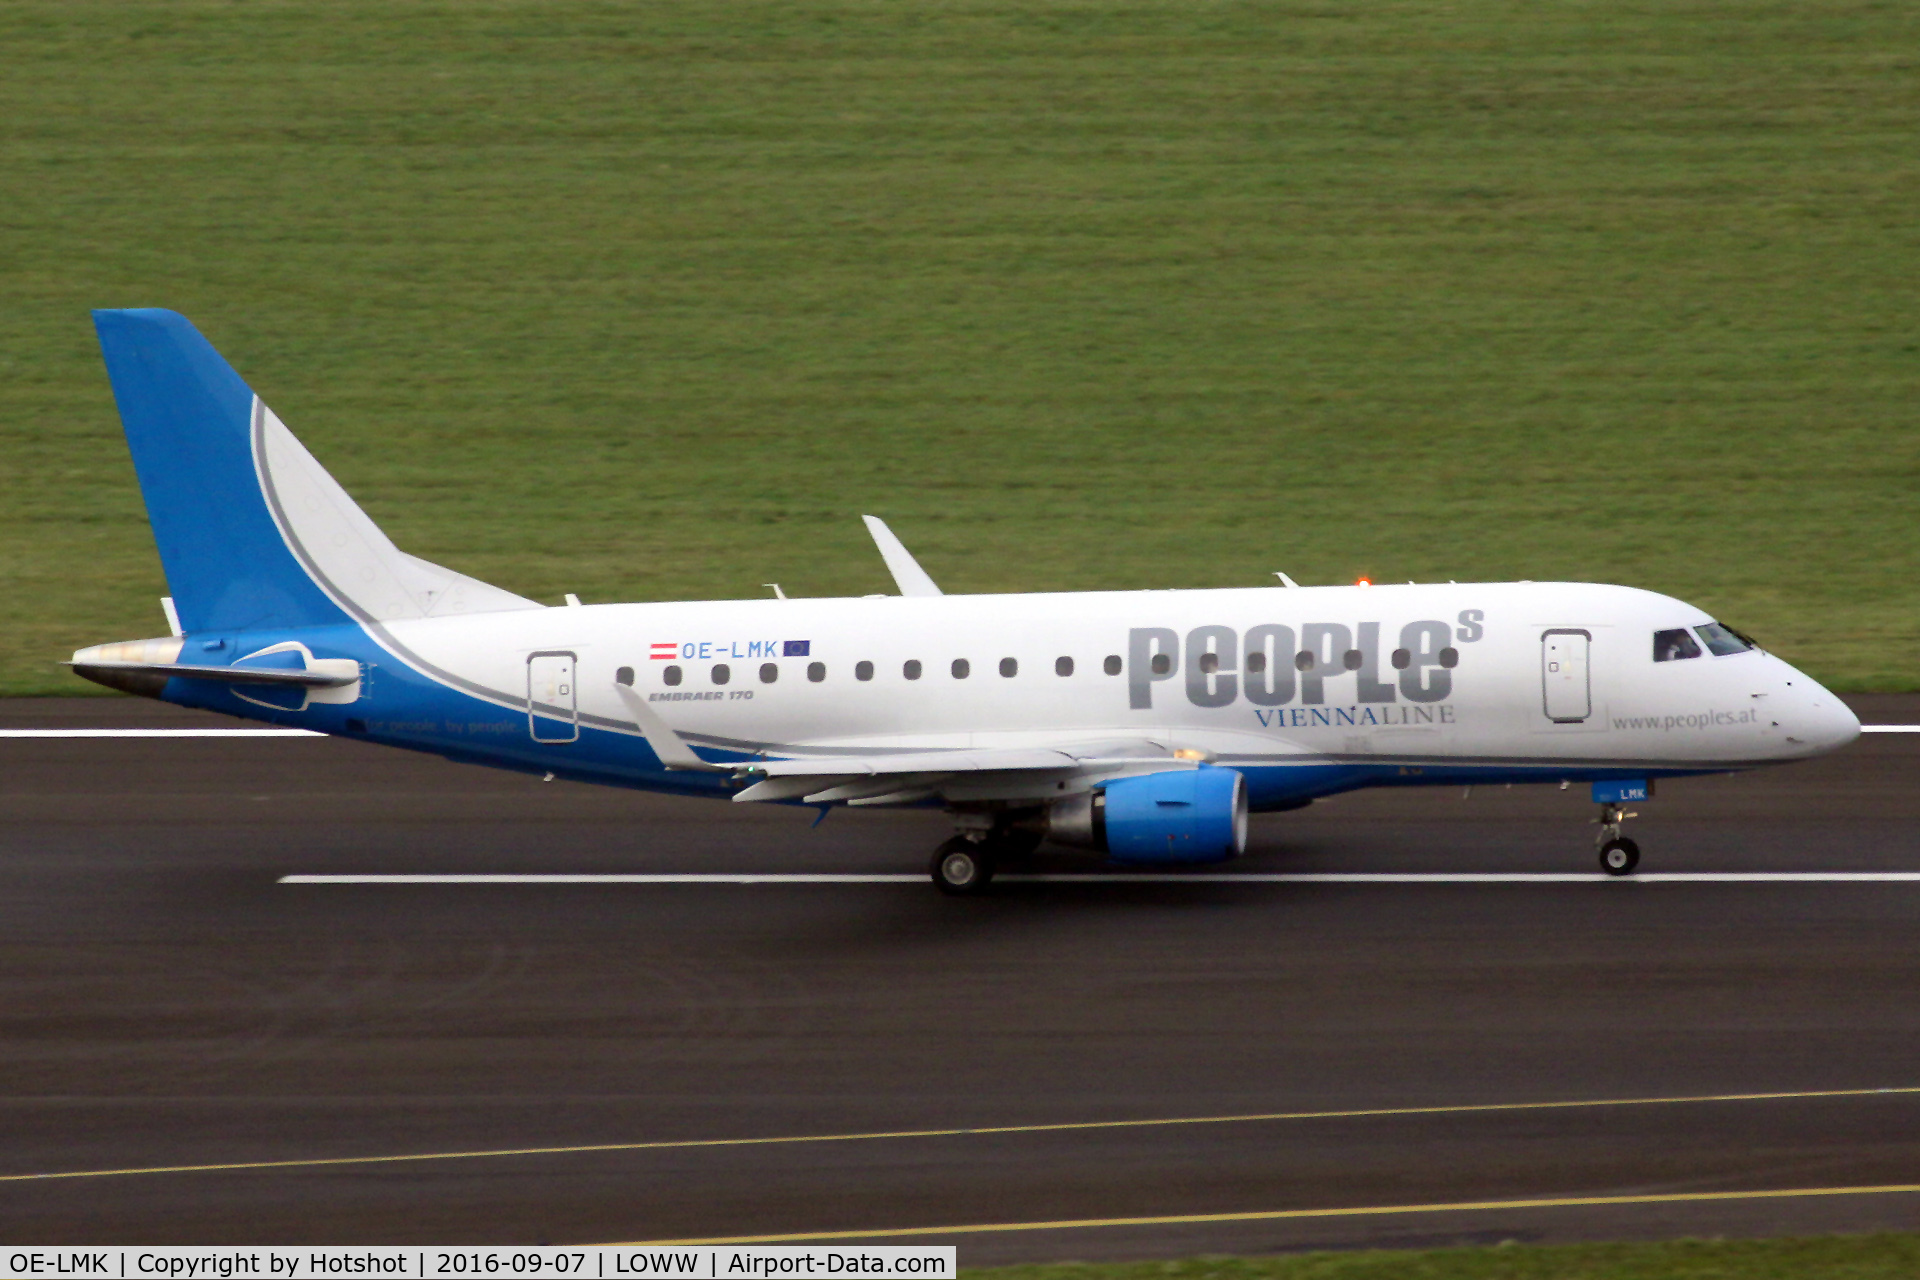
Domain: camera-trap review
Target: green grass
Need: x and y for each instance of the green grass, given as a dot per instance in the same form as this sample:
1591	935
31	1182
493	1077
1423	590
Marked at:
650	301
1881	1257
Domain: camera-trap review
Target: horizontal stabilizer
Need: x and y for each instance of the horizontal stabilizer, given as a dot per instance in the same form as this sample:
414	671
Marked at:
304	679
145	666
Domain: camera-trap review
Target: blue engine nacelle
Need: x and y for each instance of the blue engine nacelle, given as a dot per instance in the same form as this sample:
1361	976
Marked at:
1183	815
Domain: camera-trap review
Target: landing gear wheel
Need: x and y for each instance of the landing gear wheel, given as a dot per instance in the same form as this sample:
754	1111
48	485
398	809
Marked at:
1618	857
962	867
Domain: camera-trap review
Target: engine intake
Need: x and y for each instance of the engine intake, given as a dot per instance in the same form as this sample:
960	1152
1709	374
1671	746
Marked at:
1182	815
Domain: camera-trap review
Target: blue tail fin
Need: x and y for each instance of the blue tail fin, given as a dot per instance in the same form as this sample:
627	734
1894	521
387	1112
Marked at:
253	533
189	422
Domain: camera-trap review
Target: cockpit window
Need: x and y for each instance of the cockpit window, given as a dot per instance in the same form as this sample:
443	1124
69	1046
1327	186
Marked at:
1722	641
1671	646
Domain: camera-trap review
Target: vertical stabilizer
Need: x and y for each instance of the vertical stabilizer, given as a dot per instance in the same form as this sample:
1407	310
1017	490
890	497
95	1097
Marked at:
253	533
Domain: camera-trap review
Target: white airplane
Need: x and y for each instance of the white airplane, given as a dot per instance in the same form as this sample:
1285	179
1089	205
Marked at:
1145	725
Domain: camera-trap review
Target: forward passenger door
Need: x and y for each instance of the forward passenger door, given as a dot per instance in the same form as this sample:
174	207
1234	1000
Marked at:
1566	682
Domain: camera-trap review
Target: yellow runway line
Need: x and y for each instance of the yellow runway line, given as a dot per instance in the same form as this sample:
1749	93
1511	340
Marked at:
1275	1215
1072	1126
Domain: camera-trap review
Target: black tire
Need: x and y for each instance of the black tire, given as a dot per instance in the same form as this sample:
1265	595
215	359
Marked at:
1618	857
962	868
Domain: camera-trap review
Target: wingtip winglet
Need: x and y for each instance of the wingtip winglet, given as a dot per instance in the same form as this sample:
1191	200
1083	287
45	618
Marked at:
672	749
907	573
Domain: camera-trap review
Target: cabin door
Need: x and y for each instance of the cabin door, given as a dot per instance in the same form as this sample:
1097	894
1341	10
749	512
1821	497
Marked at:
1566	687
553	706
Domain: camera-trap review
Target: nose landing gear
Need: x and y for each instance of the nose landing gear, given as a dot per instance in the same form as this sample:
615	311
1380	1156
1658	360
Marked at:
1618	854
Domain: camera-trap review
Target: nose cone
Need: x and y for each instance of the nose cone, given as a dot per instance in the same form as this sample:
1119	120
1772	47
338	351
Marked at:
1821	722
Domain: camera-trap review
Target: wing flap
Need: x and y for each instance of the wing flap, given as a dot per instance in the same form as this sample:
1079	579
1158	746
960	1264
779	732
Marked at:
932	763
906	777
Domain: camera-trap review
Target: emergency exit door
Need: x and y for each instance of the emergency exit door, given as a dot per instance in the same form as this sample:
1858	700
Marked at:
1566	687
553	707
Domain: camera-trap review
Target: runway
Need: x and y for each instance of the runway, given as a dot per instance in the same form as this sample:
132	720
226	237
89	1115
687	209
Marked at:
1405	1018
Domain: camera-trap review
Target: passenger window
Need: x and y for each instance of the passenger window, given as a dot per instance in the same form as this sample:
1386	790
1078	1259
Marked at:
1449	657
769	672
863	671
1113	664
1063	666
961	668
1161	664
624	676
1303	660
671	676
1722	641
1672	646
721	673
1402	659
1257	662
1352	659
1009	667
816	671
1209	663
912	669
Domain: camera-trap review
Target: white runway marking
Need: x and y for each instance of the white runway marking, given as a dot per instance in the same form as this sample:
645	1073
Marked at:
1141	877
309	733
160	733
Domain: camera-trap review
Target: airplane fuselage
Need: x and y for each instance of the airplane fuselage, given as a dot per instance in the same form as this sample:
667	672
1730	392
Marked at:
1406	684
1141	724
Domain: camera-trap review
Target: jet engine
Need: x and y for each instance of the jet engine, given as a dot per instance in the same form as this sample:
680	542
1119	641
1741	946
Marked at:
1182	815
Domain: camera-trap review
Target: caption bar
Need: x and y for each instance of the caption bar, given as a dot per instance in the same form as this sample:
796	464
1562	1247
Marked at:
698	1262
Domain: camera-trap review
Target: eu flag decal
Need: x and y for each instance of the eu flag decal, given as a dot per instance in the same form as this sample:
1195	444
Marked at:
796	649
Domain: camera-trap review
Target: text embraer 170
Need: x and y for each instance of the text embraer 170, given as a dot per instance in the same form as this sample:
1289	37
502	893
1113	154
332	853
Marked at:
1143	724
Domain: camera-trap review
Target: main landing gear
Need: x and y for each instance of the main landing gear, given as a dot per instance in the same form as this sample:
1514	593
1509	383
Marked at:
1619	855
962	866
965	864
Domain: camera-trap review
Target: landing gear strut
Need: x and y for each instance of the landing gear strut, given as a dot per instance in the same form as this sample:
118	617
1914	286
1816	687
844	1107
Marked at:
1618	854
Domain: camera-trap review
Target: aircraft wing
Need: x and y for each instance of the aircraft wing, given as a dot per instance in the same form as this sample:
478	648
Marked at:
909	777
984	773
918	762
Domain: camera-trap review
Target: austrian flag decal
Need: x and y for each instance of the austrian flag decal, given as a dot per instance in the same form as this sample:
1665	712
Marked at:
665	652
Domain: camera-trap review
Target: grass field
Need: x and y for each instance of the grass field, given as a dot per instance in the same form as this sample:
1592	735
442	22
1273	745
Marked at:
1883	1257
650	301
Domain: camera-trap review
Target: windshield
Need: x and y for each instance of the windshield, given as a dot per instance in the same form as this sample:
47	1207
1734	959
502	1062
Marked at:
1722	641
1671	646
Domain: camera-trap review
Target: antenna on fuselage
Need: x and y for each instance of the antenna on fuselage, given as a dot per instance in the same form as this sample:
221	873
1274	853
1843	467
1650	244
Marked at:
1285	581
907	573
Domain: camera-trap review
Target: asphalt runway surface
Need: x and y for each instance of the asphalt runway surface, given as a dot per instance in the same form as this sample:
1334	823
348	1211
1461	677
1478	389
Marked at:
165	1001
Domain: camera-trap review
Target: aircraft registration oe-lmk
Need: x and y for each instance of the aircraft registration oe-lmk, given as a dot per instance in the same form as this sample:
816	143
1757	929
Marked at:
1144	725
